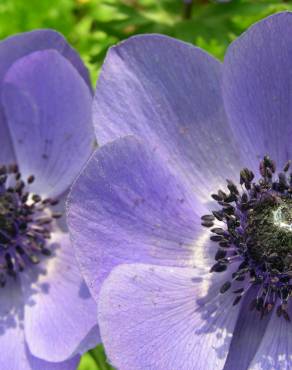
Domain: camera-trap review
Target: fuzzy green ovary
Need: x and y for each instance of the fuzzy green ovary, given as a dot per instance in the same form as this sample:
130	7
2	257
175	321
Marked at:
267	237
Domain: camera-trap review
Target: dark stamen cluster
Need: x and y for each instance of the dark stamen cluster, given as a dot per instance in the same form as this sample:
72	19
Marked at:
257	234
25	223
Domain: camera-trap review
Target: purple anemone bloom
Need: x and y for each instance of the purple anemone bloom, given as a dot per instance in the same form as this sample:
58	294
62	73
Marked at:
47	316
191	271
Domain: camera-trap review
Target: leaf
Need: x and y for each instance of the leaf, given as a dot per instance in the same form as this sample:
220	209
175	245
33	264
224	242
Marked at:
88	363
95	359
100	358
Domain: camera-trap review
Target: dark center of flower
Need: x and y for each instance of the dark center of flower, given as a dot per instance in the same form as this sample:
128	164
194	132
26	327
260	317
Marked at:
268	232
257	235
25	223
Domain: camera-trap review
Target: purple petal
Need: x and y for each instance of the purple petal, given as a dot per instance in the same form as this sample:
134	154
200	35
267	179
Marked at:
256	85
127	207
17	46
37	364
14	352
247	336
59	311
48	110
159	318
6	151
275	349
11	328
20	45
169	94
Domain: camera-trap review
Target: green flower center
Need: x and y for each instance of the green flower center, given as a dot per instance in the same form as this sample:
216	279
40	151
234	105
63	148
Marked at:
268	233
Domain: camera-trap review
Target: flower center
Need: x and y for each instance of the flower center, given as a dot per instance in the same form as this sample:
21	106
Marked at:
268	232
282	216
257	234
25	223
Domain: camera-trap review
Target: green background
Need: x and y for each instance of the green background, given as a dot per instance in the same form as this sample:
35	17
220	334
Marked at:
92	26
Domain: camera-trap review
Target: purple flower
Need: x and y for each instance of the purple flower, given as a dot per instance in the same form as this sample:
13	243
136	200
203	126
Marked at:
47	316
175	124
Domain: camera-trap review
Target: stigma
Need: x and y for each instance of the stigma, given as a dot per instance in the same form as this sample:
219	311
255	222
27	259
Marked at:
253	228
26	224
282	217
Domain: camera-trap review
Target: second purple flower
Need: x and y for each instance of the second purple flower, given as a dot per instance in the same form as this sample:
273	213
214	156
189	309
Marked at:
46	137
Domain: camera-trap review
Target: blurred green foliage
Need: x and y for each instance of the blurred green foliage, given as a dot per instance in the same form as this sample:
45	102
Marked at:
95	360
92	26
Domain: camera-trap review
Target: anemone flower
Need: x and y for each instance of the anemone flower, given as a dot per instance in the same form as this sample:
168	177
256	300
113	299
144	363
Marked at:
190	271
46	137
